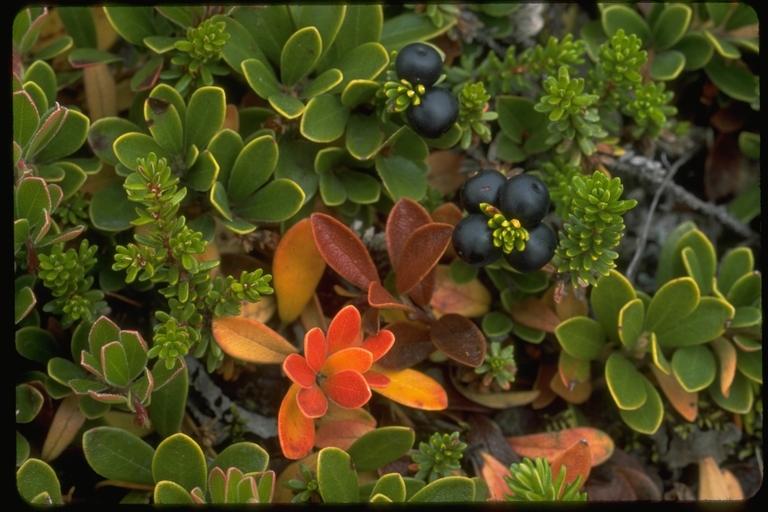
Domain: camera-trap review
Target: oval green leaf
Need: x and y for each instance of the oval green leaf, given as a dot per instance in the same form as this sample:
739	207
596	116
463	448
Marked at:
116	454
449	489
164	124
625	383
695	367
287	106
179	459
322	83
252	168
733	80
274	202
205	116
699	262
610	295
245	456
647	418
364	137
364	62
751	365
110	209
667	65
36	344
631	320
381	446
299	55
34	478
336	476
171	493
391	486
708	321
168	405
581	337
617	16
746	290
672	302
740	395
324	118
697	48
671	25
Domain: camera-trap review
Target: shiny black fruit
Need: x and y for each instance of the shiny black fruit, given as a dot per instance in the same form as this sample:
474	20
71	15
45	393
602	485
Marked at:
473	241
419	63
483	187
435	115
526	198
538	250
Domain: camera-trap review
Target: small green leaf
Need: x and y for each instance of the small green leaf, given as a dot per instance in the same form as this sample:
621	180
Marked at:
133	23
749	144
179	459
744	14
737	82
74	177
610	295
359	91
219	201
746	316
300	54
740	395
462	273
673	301
618	16
363	62
22	449
361	188
336	476
36	344
390	485
700	261
37	95
276	201
411	28
132	146
247	457
202	175
404	171
647	418
135	353
326	19
364	137
54	49
671	25
115	364
63	370
225	147
750	364
117	454
322	83
297	163
667	65
695	367
381	446
164	124
207	104
86	57
631	320
104	132
146	76
332	189
29	401
287	106
92	408
324	118
658	356
25	301
34	478
168	405
746	206
581	337
626	384
269	25
708	321
362	24
42	74
664	272
103	331
449	489
171	493
697	48
25	118
241	45
746	290
253	167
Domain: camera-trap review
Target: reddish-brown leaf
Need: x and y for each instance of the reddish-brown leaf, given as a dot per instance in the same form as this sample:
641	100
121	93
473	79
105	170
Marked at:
347	388
379	344
534	314
577	461
576	393
551	444
297	369
421	252
352	358
405	217
485	434
312	402
444	167
543	378
296	432
460	339
493	472
380	298
64	427
344	330
250	341
296	269
412	345
447	213
421	294
371	322
414	389
343	250
684	402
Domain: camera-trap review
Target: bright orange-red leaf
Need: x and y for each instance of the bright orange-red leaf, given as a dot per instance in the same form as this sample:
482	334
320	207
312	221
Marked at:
296	270
543	378
575	393
343	250
312	401
344	330
315	348
379	297
379	344
577	460
420	254
353	358
295	431
493	472
726	354
250	341
534	314
376	379
347	388
551	444
340	434
684	402
414	389
297	369
460	339
471	299
405	217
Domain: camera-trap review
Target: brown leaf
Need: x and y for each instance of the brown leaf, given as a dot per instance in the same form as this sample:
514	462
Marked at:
412	345
371	320
250	341
721	167
572	369
551	444
731	118
643	486
534	314
379	297
420	253
64	427
543	378
260	311
447	213
684	402
444	165
460	339
577	394
616	489
486	435
405	217
577	461
343	251
231	118
100	92
421	294
471	299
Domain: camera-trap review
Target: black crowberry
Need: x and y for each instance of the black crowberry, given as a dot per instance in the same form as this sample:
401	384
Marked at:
526	198
419	63
473	241
483	187
539	249
435	115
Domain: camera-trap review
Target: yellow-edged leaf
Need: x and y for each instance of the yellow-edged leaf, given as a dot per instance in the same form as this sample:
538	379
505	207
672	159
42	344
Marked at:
414	389
250	341
684	402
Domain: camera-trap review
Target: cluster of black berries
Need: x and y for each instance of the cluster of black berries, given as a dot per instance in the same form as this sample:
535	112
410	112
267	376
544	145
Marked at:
438	110
521	201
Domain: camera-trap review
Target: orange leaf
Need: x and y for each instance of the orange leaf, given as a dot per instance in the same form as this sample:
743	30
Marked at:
470	300
64	427
344	330
379	297
405	217
577	460
340	434
312	402
296	269
296	431
460	339
535	314
379	344
352	358
551	444
448	213
543	378
376	379
420	254
250	341
577	394
297	369
343	251
347	388
414	389
493	472
726	354
684	402
713	483
315	348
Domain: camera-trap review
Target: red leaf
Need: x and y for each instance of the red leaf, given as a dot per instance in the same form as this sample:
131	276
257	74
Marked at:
493	473
295	431
343	251
344	330
577	460
412	345
551	444
379	297
297	369
405	217
315	348
460	339
347	389
312	401
379	344
376	379
352	358
421	252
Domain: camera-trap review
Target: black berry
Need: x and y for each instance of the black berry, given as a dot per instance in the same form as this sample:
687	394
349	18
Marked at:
473	241
483	187
436	113
419	63
526	198
539	249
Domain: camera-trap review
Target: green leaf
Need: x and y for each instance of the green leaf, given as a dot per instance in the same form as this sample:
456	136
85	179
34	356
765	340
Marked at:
364	137
361	188
749	144
54	49
179	459
117	454
495	324
110	210
326	19
36	344
695	367
168	405
63	370
740	395
673	301
171	493
362	24
667	65
29	401
647	418
625	383
115	364
42	74
336	476
247	457
219	201
74	177
240	46
746	316
699	262
132	146
518	118
102	332
610	295
104	132
708	321
323	83
132	23
297	163
746	290
205	116
300	54
581	337
363	62
86	57
750	364
164	124
202	175
269	25
359	91
449	489
34	478
25	301
171	95
746	206
735	264
664	271
25	118
671	25
287	106
462	273
631	321
276	201
411	28
253	167
724	47
381	446
619	16
225	147
324	118
733	80
717	11
22	449
697	48
332	189
744	14
404	171
392	486
32	201
658	356
92	408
